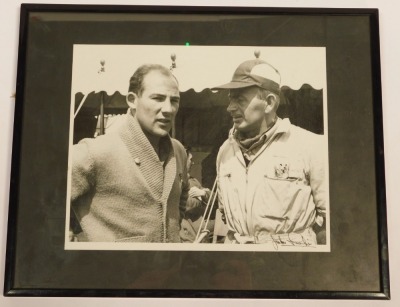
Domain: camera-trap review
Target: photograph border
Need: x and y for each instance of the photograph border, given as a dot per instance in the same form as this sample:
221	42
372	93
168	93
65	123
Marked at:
16	188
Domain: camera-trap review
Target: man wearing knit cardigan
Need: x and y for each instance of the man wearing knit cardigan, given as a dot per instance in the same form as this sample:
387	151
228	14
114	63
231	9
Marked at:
131	185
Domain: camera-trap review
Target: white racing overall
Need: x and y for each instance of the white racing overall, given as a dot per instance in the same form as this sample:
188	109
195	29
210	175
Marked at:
280	192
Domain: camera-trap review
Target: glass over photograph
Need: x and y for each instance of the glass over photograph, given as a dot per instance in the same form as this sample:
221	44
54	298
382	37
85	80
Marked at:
198	152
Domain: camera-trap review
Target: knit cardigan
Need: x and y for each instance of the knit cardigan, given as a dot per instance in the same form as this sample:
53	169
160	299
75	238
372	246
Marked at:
122	192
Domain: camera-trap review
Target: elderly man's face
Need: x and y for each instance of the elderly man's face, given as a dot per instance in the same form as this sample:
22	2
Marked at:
247	110
158	104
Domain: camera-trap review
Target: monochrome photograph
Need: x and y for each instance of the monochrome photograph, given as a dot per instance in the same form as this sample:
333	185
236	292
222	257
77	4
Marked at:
219	148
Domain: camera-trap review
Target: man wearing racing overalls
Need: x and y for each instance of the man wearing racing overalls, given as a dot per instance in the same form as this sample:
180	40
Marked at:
271	178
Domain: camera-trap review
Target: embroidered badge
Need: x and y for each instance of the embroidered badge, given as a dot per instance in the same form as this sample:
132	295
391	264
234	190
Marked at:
282	170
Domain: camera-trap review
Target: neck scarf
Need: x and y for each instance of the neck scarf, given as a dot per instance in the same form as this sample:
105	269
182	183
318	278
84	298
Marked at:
251	146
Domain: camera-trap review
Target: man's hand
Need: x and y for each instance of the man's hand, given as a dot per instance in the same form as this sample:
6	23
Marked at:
196	192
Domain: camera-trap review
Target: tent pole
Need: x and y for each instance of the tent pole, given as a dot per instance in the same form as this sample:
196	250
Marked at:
80	105
102	113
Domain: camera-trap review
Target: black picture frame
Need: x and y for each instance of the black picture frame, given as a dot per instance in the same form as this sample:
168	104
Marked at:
37	263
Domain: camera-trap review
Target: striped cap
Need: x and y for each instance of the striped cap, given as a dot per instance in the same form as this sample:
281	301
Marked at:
254	73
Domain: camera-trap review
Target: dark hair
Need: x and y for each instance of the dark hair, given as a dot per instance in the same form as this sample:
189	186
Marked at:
136	81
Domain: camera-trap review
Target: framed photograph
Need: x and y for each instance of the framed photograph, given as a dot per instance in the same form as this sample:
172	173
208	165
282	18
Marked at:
198	152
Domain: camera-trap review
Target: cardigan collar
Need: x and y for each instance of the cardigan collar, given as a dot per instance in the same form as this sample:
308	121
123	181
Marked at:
282	126
157	173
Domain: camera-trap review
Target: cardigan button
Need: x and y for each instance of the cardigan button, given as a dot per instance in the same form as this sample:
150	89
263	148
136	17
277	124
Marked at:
137	161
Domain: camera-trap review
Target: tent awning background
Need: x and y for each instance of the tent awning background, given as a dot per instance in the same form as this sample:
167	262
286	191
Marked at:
304	107
197	67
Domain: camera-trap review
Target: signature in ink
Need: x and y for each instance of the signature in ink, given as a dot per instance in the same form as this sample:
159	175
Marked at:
289	240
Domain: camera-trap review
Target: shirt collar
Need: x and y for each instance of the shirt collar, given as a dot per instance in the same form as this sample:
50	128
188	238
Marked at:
137	141
281	126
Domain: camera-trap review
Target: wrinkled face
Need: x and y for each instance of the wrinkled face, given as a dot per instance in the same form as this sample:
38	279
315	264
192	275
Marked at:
158	104
247	110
